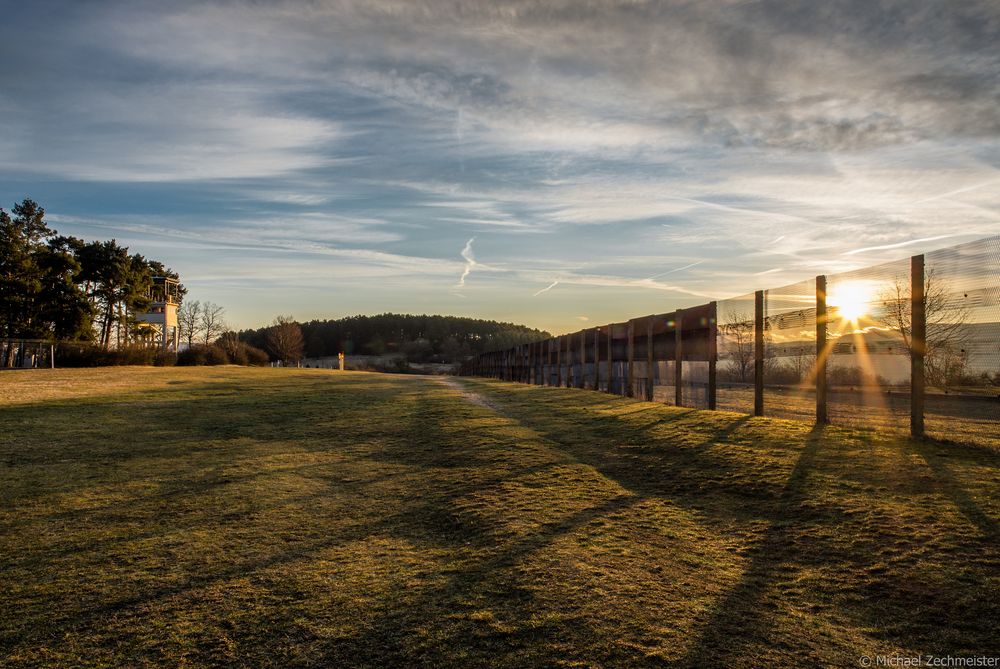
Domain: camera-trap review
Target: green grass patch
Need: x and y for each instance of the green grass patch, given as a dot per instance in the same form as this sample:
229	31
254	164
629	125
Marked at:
277	517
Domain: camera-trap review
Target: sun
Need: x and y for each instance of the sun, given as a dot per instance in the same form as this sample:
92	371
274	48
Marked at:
851	299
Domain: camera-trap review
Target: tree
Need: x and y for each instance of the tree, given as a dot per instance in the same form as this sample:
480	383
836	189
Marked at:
802	362
39	277
189	321
946	332
284	339
64	306
21	277
66	288
212	323
738	345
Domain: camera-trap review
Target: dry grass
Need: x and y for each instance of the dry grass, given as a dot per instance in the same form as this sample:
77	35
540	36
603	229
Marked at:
192	517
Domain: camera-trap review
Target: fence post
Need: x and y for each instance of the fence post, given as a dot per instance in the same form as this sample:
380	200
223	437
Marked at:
822	352
570	369
758	353
556	362
558	347
918	345
52	356
611	358
569	360
713	352
597	358
527	361
536	351
649	359
679	357
630	390
582	382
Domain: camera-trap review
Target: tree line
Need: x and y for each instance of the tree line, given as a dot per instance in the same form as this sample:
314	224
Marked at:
59	287
419	338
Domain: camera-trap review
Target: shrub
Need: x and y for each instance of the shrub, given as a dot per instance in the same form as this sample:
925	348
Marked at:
202	355
255	356
165	358
853	376
91	355
241	353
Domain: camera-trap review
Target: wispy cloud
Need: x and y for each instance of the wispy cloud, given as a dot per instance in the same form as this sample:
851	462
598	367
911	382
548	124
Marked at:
547	288
371	138
897	245
470	262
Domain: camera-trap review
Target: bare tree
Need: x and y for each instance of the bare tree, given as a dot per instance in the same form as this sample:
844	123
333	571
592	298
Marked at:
738	346
738	343
802	361
212	323
189	321
284	339
946	317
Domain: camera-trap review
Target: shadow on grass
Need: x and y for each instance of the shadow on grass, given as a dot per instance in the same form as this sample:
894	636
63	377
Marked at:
741	617
847	505
928	450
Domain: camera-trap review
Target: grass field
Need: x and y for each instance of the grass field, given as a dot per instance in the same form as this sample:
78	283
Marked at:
269	517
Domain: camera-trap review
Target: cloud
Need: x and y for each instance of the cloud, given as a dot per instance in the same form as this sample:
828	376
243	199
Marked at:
547	288
470	262
603	145
897	245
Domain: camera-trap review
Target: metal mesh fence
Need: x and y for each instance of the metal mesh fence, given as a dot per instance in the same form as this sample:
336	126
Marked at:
868	364
962	297
867	340
735	351
790	351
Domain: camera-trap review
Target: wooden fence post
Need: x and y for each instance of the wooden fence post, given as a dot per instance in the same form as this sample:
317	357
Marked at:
822	352
678	358
758	353
630	391
611	358
918	345
582	381
649	359
597	358
529	358
713	353
569	360
558	362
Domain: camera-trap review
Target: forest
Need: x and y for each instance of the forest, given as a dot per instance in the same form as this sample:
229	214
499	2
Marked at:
419	338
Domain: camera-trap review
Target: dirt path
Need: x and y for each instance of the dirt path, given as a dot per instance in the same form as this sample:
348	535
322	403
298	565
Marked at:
470	395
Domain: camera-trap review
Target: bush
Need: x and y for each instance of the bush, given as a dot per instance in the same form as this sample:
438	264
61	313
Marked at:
256	357
165	358
241	353
853	376
202	355
91	355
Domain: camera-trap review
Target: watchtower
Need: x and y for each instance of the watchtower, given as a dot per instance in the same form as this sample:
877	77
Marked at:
164	295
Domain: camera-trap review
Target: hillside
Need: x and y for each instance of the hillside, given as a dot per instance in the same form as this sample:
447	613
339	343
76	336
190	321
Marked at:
421	338
283	517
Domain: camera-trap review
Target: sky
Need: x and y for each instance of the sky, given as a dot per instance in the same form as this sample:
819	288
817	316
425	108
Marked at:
559	163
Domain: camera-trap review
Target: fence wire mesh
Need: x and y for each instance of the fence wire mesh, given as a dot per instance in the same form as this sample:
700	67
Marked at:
962	296
868	349
736	354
